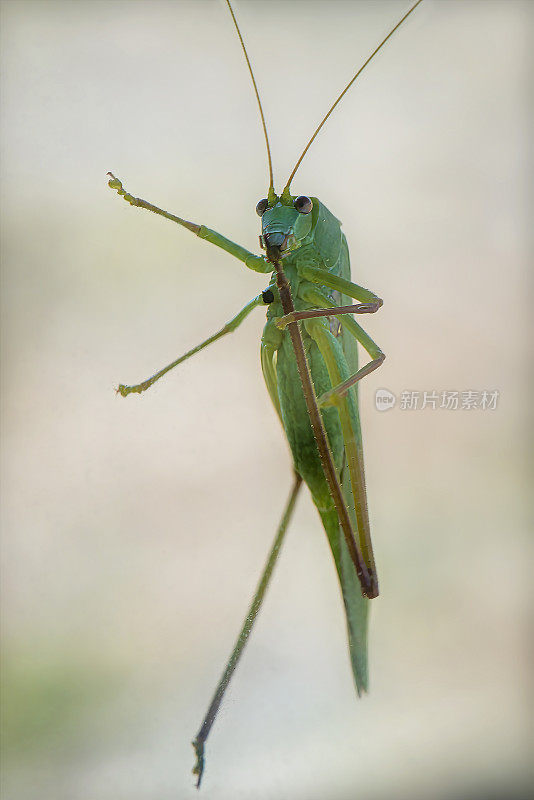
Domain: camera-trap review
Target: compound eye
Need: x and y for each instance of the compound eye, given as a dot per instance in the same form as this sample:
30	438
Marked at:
261	208
303	204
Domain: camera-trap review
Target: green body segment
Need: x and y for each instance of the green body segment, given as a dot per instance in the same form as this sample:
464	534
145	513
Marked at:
323	247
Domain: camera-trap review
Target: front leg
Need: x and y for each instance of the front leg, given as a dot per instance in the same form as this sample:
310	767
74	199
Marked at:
256	263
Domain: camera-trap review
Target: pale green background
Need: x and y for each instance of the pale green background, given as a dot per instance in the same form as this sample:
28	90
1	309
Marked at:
134	530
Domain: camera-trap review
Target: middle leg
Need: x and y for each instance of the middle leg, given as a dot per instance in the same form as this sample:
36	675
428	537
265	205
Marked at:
228	328
315	297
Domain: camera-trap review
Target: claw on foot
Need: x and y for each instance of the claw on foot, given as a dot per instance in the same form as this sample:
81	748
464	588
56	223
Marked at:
198	769
114	183
126	390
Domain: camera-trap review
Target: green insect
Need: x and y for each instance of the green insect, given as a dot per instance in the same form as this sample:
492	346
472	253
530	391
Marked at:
309	359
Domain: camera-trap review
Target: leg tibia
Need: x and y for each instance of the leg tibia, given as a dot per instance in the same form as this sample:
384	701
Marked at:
209	719
257	263
228	328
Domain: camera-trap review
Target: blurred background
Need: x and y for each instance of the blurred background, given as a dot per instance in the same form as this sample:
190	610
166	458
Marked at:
134	530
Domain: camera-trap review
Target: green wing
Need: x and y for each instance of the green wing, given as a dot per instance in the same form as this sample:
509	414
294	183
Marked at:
356	606
283	383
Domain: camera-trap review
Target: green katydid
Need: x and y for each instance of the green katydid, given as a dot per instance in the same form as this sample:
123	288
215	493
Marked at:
309	359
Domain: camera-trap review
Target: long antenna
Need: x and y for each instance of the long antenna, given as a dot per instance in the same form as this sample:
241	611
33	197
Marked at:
344	92
271	180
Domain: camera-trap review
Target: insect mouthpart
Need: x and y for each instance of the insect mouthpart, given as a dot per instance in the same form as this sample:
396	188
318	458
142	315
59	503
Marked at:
277	244
275	239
